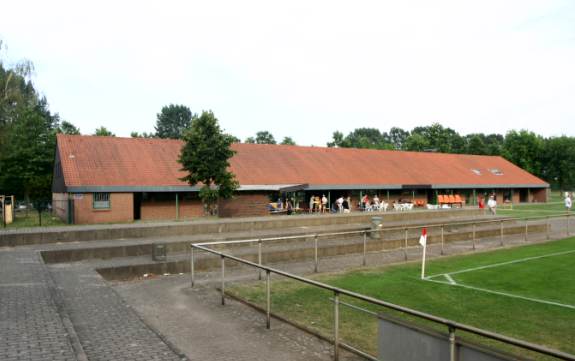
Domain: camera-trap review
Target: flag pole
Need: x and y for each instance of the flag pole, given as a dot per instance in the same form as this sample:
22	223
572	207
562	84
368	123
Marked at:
423	242
423	263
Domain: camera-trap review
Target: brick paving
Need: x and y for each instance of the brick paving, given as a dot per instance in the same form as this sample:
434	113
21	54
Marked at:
30	325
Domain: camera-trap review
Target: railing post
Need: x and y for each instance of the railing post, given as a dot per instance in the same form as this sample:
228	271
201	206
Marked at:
192	266
315	256
405	246
474	225
526	230
452	344
547	228
501	232
567	224
268	299
442	239
260	258
364	248
568	231
336	326
223	280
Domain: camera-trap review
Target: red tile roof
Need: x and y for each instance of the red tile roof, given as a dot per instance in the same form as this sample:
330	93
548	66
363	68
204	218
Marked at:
140	162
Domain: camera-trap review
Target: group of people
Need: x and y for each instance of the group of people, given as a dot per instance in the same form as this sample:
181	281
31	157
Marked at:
318	204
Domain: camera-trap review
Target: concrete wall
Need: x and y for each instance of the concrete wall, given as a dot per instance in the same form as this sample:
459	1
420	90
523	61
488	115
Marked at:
121	209
60	205
244	205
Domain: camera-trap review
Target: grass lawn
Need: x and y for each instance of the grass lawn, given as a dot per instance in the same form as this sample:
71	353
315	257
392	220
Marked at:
22	220
551	208
548	279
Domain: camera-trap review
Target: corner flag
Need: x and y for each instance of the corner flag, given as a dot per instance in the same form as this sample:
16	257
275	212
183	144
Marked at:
423	242
423	238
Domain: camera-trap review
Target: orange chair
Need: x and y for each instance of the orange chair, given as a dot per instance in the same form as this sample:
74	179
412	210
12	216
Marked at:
440	199
458	200
451	199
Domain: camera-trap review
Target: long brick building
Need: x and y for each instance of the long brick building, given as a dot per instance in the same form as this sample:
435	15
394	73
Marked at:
110	179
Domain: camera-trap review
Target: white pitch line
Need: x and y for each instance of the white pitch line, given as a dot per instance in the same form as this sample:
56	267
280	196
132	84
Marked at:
503	263
506	294
449	279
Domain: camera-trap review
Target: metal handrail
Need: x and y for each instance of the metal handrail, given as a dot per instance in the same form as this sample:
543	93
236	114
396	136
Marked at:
452	325
395	228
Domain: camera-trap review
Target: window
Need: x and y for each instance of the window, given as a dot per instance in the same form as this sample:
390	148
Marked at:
496	171
101	201
476	171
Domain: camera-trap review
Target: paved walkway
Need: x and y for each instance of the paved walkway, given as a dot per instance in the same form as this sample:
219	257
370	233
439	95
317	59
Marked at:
31	327
68	313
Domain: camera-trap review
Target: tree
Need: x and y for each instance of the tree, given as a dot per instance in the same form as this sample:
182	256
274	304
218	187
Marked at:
524	149
397	137
362	138
103	132
475	144
205	156
27	135
337	139
173	120
558	158
416	142
68	128
440	139
250	140
265	137
288	141
142	135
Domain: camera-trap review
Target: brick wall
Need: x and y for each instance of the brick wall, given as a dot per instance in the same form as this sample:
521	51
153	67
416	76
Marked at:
121	209
244	205
539	195
167	209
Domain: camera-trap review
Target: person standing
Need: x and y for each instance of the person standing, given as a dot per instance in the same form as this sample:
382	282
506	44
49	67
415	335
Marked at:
568	203
492	205
323	203
311	199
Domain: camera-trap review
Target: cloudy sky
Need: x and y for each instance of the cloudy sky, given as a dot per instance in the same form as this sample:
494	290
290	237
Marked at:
302	68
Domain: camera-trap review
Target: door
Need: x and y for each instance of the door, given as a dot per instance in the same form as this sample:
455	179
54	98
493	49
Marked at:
137	206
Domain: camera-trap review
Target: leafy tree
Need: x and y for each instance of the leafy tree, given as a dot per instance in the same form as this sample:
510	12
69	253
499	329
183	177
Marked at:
362	138
250	140
288	141
475	144
142	135
416	142
27	135
440	139
205	156
337	140
173	120
104	132
265	137
26	162
558	159
68	128
524	149
397	137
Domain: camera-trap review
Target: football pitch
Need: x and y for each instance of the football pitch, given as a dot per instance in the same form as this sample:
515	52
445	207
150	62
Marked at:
525	292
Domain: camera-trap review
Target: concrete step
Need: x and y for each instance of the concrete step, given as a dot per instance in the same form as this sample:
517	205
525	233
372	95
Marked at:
303	250
141	247
47	235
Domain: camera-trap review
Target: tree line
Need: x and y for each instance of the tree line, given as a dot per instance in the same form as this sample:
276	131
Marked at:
28	139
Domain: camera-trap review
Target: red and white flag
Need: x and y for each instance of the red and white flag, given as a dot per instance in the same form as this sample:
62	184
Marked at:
423	238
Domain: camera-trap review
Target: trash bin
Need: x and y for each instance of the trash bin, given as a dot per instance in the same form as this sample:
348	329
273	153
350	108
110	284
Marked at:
376	225
158	252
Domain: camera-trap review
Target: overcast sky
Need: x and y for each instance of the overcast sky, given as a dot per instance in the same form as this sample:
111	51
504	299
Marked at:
302	68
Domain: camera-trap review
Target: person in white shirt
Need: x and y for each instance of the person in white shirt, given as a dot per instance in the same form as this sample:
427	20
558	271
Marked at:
492	205
339	204
568	203
323	203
